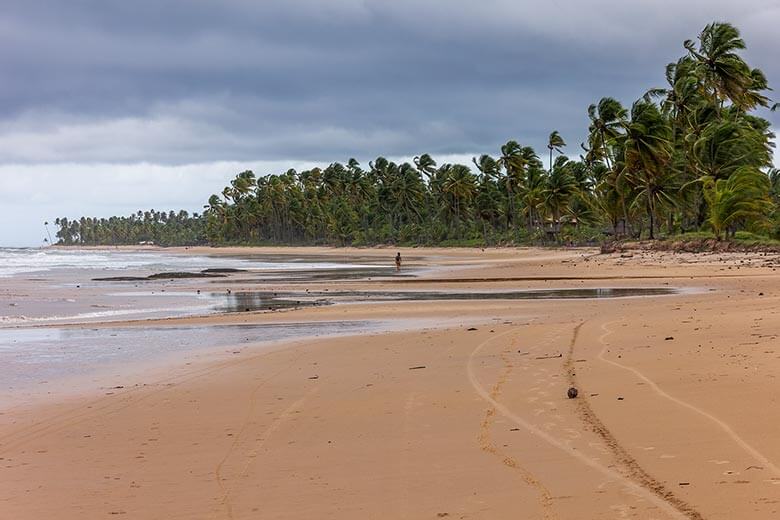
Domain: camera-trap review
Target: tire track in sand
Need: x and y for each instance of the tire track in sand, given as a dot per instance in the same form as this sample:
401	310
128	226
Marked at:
742	443
487	445
635	471
663	504
275	424
112	404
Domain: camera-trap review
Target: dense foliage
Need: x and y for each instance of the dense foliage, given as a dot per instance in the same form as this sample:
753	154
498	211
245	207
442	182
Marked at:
153	227
690	156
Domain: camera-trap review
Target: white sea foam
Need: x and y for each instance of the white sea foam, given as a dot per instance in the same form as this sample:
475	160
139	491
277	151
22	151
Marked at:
108	262
28	260
105	315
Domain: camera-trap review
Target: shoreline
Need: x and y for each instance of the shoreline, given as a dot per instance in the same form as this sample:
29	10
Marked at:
673	393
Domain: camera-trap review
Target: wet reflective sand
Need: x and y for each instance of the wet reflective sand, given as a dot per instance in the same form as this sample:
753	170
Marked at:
35	355
272	300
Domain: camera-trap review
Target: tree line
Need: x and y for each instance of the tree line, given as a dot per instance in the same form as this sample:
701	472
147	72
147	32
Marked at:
152	227
692	155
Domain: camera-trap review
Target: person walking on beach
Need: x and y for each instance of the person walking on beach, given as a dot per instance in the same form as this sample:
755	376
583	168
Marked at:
398	262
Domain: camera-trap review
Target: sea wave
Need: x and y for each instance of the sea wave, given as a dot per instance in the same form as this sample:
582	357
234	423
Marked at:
15	261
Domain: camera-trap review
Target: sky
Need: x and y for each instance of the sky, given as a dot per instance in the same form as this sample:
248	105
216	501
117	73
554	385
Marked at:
108	106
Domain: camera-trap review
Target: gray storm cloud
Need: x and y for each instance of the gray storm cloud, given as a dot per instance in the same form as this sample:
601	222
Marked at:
195	81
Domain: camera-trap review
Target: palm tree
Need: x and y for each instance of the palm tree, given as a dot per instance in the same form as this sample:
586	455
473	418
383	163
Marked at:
559	188
532	195
513	162
461	185
726	75
425	165
727	143
487	166
555	143
774	183
242	185
647	150
744	195
488	203
407	192
683	92
606	119
46	225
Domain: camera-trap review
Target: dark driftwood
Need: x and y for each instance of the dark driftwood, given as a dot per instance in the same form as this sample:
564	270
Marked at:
158	276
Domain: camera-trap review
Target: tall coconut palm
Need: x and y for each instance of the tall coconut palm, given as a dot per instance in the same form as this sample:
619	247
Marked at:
646	146
407	193
487	166
555	143
559	188
532	195
606	119
461	185
683	90
726	75
48	233
425	165
488	203
513	162
490	199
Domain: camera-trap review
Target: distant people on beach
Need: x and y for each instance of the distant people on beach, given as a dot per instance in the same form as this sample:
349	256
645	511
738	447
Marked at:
398	262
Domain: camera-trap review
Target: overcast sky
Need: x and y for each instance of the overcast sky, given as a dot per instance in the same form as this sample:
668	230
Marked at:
111	106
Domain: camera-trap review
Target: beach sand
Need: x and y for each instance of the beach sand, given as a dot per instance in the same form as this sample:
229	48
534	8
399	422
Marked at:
677	413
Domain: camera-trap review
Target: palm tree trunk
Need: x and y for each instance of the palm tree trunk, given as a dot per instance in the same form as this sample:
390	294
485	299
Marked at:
652	219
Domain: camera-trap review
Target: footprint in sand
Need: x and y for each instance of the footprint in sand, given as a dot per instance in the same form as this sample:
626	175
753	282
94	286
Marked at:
622	510
599	447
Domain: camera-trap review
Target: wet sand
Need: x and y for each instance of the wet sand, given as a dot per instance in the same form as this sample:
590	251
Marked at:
676	415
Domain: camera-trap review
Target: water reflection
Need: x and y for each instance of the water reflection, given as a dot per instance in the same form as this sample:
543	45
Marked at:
32	355
268	300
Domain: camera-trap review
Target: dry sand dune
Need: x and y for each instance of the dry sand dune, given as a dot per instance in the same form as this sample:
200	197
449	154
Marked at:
677	414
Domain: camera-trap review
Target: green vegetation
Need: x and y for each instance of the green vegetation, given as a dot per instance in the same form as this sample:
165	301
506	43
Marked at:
691	157
161	228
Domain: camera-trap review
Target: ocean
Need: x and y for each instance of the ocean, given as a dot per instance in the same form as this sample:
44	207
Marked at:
14	261
50	300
